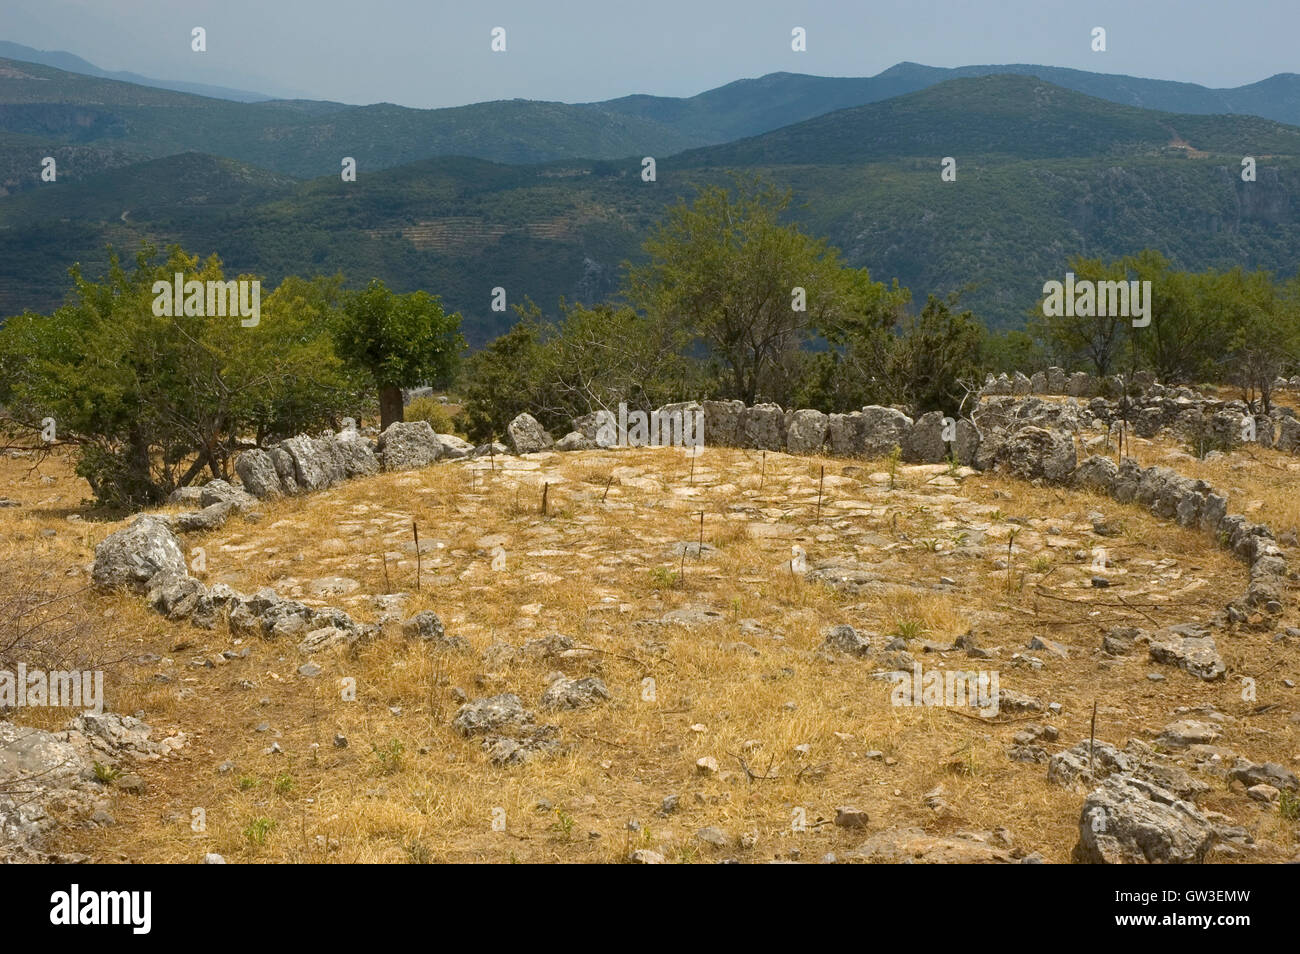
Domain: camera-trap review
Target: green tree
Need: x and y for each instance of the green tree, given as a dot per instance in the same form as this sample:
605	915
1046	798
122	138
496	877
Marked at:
152	401
724	269
591	359
400	341
849	365
1013	350
1262	331
935	361
501	380
1095	340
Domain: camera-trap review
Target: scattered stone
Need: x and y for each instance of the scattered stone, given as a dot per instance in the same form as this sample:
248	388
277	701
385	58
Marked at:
713	836
914	846
1130	821
1195	655
136	554
847	816
408	445
846	639
526	436
574	693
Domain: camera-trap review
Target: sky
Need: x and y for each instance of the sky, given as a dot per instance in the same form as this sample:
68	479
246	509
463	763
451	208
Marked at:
429	53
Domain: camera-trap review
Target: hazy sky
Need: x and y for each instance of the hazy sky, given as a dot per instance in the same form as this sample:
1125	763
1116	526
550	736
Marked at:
432	53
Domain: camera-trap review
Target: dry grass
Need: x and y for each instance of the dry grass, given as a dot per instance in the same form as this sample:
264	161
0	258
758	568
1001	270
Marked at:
597	567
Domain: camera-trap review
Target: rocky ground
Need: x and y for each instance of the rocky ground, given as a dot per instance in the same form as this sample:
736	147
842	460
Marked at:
680	659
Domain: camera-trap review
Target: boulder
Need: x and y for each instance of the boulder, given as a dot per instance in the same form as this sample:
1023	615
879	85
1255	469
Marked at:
1096	473
680	424
1288	435
407	445
882	429
566	693
762	427
135	554
257	472
844	434
526	436
806	432
424	625
575	441
186	496
492	714
284	469
220	491
1196	655
1034	452
311	467
175	595
967	444
722	423
846	639
923	442
356	455
1269	773
201	521
1131	821
453	447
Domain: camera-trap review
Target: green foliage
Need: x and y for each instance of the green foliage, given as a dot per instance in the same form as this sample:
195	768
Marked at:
1012	350
722	271
499	379
258	829
430	410
1237	326
935	360
563	824
853	367
1288	806
1094	340
400	340
152	401
590	359
392	757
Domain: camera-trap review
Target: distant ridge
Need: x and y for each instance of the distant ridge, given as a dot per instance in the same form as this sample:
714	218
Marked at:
72	63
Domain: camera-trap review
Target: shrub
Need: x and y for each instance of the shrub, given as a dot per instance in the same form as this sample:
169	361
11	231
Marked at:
428	409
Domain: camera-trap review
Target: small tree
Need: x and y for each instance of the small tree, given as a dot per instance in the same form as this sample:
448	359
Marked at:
152	401
724	270
1263	334
1095	339
936	356
400	341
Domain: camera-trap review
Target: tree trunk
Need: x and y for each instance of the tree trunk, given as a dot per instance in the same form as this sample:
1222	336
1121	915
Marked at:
390	406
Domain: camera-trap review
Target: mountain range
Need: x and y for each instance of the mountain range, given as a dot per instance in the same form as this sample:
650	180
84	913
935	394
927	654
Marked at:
546	199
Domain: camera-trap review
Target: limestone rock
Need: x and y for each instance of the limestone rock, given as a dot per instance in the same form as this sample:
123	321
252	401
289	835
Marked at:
134	555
